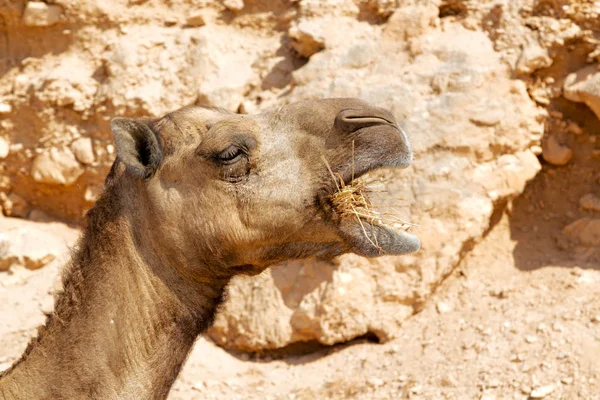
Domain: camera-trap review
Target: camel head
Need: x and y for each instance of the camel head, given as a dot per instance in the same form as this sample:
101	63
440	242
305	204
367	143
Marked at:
238	193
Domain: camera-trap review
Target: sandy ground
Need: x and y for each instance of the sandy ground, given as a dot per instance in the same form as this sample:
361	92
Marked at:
507	324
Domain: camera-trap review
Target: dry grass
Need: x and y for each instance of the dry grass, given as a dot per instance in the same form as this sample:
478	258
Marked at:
351	200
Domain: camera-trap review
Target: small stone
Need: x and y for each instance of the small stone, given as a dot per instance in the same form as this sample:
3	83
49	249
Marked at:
575	129
540	95
5	108
375	382
590	202
171	21
494	383
537	150
56	167
196	19
531	339
596	319
488	116
234	5
443	307
38	13
541	392
448	381
567	380
556	153
533	58
415	389
393	349
556	114
4	147
16	147
16	206
83	150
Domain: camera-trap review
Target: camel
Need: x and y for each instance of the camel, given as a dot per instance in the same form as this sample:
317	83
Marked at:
193	199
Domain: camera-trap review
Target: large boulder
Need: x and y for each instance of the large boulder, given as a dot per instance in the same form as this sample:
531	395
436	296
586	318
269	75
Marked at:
471	126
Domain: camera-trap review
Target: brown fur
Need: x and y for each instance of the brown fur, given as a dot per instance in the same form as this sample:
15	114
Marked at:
177	221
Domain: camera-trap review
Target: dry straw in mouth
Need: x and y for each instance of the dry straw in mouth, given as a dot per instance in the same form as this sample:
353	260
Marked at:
350	200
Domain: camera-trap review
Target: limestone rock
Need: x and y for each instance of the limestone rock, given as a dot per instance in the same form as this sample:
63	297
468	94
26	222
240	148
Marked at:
533	57
556	153
307	37
585	230
216	71
590	202
38	13
56	167
18	235
261	295
583	86
83	150
68	83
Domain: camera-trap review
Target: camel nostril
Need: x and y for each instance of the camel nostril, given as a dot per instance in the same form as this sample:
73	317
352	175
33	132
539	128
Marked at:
351	120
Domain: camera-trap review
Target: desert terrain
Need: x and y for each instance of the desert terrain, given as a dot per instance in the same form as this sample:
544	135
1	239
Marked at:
501	100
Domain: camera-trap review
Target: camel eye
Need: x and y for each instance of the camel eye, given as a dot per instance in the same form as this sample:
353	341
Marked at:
229	155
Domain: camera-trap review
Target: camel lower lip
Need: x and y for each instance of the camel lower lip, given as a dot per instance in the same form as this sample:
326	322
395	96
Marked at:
377	239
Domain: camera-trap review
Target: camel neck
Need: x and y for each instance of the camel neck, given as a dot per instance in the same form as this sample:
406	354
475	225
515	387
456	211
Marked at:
119	329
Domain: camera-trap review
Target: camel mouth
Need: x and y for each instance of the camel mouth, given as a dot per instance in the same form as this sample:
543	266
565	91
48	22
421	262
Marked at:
367	232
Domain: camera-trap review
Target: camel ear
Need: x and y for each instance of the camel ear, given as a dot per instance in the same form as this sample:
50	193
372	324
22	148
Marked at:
137	146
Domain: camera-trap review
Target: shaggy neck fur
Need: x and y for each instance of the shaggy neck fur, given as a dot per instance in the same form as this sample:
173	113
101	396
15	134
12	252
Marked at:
124	324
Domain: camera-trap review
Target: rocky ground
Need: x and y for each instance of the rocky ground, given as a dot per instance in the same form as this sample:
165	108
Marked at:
501	99
517	319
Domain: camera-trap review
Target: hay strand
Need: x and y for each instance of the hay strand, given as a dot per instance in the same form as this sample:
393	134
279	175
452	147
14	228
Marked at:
350	200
